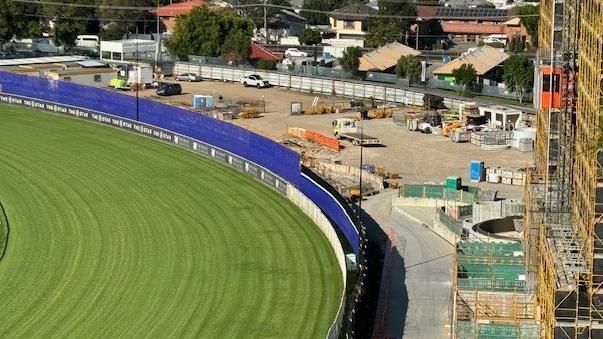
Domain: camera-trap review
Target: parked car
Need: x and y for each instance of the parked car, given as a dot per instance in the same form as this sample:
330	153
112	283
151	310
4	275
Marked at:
169	89
496	38
188	77
254	80
294	52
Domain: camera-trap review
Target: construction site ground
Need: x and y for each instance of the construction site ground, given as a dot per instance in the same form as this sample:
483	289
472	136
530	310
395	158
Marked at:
417	157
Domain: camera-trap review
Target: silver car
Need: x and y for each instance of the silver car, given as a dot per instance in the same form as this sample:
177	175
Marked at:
188	77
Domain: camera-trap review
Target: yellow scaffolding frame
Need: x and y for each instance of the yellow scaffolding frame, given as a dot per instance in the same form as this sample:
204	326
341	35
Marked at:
587	171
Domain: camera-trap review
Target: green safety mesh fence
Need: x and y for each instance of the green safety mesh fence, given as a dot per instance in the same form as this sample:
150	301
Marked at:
496	253
471	329
426	191
454	225
490	266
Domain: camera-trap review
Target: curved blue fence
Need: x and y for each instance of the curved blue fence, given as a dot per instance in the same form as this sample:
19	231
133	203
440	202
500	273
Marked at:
258	149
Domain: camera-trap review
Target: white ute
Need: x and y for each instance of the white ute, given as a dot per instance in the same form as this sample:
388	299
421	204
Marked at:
294	52
346	128
254	80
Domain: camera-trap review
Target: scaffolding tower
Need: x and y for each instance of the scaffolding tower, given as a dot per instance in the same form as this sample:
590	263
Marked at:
564	192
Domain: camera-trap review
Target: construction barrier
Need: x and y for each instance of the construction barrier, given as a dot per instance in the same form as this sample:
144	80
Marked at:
322	139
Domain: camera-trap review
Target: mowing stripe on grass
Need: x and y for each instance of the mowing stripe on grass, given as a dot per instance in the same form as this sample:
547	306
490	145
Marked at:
116	235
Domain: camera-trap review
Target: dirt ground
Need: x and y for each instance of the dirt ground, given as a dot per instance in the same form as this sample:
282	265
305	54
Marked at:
416	157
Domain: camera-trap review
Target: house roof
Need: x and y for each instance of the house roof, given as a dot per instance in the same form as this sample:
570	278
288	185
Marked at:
259	52
179	8
353	12
483	59
455	13
82	71
513	22
385	57
284	19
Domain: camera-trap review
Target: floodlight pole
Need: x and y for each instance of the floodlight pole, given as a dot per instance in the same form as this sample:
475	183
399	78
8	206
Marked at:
136	74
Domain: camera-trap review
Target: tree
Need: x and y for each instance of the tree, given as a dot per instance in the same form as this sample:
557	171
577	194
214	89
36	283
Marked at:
516	44
382	33
519	75
256	13
313	18
117	22
310	37
409	66
401	66
413	68
465	76
18	20
351	60
66	29
212	33
529	22
383	30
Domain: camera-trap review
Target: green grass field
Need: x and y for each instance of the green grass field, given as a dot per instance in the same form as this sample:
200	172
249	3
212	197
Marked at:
114	235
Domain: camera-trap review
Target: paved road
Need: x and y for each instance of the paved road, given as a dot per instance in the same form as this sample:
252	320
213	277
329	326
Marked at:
416	284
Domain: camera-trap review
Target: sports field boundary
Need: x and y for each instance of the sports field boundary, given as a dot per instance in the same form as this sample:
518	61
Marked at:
225	157
4	231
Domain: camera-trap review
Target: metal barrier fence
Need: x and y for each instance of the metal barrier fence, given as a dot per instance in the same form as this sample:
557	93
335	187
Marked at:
306	83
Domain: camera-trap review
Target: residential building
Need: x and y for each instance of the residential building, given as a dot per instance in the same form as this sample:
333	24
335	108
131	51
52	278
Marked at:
285	24
350	22
167	14
487	61
386	57
468	24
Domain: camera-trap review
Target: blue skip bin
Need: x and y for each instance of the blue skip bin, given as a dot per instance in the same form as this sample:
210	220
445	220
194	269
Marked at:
477	171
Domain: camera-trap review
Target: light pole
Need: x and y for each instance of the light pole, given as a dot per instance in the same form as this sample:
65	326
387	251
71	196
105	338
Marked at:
266	23
417	36
136	74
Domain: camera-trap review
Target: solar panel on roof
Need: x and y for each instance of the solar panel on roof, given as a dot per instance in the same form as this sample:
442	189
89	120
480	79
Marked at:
469	12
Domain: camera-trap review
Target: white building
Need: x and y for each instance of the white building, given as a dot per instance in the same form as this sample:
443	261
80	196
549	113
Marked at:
501	116
98	77
125	50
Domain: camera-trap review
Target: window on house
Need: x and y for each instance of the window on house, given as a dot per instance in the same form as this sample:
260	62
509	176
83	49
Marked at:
106	55
97	78
348	24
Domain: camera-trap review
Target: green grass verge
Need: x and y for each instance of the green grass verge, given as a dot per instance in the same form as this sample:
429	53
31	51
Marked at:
115	235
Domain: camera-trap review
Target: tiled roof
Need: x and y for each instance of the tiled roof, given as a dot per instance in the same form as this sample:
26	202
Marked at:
179	8
483	59
385	57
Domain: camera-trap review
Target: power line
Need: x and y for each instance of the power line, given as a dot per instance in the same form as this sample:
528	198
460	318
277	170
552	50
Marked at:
85	19
261	5
38	2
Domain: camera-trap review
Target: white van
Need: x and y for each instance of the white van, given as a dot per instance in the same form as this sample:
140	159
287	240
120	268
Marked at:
87	41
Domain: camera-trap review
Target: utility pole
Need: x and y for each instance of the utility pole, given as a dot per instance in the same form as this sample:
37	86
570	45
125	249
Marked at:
266	23
158	37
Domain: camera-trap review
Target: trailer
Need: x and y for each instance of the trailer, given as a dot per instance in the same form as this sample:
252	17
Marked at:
359	139
346	128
